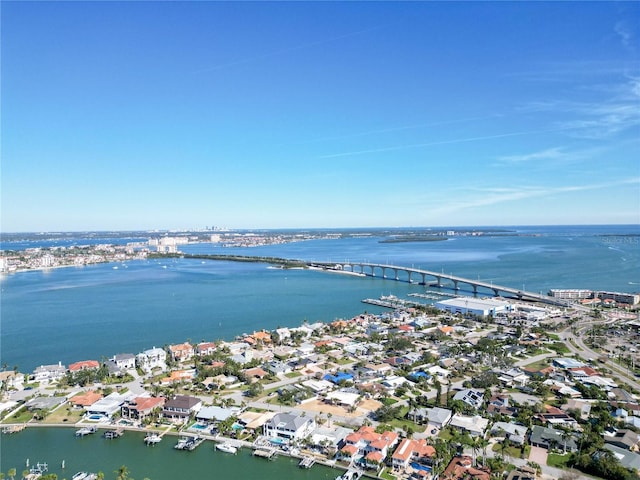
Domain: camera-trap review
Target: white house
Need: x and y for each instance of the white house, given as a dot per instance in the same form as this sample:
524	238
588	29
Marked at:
151	359
49	373
288	426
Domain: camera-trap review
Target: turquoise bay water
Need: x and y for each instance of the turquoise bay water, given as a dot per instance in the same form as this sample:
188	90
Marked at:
72	314
160	462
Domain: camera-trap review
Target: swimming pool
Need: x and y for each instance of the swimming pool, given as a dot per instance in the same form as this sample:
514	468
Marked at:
198	426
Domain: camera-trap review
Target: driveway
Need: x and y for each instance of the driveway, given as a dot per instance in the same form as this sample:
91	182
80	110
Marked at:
538	455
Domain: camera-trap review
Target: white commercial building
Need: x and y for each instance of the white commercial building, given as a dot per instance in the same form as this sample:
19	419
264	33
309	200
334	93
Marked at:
482	307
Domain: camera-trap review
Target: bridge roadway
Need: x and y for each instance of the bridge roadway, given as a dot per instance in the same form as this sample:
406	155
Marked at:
369	270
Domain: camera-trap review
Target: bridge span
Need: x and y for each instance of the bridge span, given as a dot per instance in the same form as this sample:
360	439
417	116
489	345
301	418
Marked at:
370	269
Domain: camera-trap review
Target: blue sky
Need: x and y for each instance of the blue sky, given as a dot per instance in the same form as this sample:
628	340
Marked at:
141	115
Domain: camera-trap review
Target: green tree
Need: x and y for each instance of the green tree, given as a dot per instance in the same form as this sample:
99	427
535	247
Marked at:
122	473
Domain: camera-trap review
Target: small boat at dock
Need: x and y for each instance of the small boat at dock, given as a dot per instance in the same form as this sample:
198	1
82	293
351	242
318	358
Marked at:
86	431
227	447
188	443
152	439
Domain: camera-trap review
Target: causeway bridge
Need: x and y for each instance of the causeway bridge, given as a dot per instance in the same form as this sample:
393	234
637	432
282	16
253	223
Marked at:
410	274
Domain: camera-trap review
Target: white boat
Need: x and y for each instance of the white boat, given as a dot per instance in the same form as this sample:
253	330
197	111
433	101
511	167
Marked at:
79	476
226	447
85	431
152	439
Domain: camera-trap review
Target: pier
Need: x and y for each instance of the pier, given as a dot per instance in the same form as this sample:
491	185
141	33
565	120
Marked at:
406	274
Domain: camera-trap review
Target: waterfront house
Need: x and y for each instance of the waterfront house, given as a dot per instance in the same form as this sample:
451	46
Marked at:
84	365
154	358
11	380
289	426
179	408
140	408
49	373
125	361
212	414
205	348
107	406
368	446
412	451
182	352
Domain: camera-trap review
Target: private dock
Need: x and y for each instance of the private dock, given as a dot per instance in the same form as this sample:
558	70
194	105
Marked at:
265	452
189	443
307	462
110	434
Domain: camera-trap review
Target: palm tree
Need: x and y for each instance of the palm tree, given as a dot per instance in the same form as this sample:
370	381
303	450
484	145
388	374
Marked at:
12	473
122	473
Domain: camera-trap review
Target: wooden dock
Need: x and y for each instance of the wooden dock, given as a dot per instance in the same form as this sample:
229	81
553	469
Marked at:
265	452
117	433
307	462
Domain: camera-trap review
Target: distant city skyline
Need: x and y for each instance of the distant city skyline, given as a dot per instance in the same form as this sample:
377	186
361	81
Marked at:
180	115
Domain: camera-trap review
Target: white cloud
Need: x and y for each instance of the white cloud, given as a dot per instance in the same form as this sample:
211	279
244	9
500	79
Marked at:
624	31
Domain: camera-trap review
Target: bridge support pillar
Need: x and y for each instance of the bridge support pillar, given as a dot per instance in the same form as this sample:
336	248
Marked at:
395	270
424	282
455	285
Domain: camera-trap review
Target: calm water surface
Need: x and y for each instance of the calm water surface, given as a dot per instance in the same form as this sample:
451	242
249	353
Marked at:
161	462
72	314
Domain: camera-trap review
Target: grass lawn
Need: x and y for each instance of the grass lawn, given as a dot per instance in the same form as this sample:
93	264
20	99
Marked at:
293	374
63	415
539	364
558	460
512	451
20	417
385	474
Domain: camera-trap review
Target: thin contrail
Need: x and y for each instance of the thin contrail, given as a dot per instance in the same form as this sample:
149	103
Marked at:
431	144
405	127
285	50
